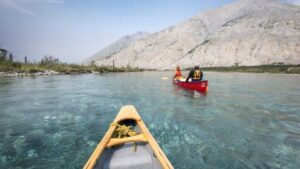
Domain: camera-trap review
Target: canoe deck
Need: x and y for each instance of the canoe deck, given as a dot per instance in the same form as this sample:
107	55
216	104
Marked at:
135	152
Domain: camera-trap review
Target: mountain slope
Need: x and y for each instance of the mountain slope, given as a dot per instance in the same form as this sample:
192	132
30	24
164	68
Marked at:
247	32
116	46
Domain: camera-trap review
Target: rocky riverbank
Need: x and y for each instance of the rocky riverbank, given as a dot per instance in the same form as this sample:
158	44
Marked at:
41	73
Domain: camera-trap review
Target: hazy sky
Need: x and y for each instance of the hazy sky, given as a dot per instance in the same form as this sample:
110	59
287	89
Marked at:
73	30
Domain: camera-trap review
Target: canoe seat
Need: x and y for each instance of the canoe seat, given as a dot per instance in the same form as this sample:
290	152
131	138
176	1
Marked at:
124	157
117	141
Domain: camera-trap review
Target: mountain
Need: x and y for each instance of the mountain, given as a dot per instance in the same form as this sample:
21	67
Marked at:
116	46
246	32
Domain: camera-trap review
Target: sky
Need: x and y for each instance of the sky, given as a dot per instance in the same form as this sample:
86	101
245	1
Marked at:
73	30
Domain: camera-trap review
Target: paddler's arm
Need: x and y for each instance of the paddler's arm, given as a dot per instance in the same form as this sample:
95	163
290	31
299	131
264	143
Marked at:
201	77
189	76
175	75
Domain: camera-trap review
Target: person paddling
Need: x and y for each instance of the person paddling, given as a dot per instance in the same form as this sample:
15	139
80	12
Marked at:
196	75
178	74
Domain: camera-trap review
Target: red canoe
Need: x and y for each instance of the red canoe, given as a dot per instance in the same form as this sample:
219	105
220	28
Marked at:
201	86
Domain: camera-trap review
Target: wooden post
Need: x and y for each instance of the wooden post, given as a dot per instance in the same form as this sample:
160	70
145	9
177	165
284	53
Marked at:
113	63
25	59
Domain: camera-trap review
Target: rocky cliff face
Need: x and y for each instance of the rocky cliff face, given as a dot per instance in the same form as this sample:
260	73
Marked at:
116	47
247	32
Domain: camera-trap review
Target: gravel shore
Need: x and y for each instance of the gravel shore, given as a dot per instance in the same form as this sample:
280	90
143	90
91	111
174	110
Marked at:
17	74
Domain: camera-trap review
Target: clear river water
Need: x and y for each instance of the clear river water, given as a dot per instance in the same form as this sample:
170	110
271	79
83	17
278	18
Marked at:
245	120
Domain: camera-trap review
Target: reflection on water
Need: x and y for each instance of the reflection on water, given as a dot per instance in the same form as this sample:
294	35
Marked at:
245	120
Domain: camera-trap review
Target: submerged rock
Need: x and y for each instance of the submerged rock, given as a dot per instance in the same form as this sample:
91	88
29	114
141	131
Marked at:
35	138
32	153
91	143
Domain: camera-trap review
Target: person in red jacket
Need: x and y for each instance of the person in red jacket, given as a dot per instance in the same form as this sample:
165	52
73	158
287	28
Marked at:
178	74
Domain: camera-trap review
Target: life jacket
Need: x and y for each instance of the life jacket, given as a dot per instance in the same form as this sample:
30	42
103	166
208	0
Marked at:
197	74
178	73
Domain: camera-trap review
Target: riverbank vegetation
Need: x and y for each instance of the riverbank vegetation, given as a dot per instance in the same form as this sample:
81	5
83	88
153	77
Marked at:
52	64
275	68
49	63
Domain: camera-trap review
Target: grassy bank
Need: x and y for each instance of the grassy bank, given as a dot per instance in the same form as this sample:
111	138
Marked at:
287	69
18	67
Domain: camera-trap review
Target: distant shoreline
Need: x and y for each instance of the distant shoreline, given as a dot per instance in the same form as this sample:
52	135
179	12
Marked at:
271	69
16	69
265	73
51	72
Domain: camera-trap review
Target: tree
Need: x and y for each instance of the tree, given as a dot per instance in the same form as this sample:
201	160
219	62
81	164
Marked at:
10	57
49	60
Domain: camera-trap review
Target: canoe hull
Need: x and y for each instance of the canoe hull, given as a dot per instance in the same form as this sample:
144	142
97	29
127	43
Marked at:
201	86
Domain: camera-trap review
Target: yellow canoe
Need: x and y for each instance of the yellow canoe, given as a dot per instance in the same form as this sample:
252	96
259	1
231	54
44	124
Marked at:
133	152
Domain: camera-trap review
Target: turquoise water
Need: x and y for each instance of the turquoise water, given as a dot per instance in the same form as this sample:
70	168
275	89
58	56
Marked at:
245	121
